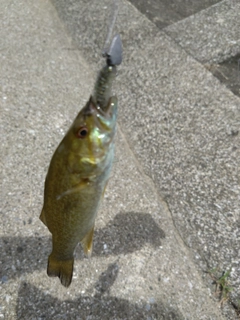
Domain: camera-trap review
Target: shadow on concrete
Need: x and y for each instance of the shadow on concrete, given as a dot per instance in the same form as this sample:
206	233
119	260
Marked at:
126	233
165	12
228	72
34	302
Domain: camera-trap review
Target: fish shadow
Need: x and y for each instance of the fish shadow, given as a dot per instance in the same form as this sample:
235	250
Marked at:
126	233
100	305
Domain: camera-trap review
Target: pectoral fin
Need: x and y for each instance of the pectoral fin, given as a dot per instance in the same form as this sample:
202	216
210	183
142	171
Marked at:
87	242
75	189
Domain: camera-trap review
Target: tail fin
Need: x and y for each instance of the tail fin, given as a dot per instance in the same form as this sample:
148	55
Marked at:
62	269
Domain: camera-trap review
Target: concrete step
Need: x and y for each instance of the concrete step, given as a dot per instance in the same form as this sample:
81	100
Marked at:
174	138
211	35
208	32
164	12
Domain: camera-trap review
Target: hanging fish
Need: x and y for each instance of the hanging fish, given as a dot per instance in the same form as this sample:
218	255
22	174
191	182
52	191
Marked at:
79	171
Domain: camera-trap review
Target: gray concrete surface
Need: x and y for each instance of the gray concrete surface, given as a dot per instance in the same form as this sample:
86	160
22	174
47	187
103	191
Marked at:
228	72
167	12
171	210
211	35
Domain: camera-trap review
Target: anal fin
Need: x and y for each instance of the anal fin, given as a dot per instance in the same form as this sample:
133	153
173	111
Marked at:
87	242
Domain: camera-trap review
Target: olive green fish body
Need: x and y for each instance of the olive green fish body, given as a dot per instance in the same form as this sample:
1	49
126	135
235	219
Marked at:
79	171
75	183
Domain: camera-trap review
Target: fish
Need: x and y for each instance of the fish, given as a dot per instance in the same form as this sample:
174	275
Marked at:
79	172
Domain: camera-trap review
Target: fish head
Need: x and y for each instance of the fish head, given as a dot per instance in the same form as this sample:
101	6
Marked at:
90	138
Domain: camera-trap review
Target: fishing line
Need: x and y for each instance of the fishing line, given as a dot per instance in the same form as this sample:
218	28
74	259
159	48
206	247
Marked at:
110	28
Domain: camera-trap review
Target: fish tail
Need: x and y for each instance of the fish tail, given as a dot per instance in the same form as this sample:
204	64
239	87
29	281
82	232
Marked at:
60	268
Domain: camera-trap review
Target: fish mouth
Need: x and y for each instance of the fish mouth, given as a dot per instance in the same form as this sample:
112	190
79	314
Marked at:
104	119
95	108
101	124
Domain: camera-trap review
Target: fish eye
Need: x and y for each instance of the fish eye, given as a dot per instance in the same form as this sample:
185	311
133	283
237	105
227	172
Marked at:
82	132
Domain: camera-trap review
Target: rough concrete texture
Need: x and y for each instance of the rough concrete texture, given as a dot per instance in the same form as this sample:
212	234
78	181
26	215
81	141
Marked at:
211	35
182	125
228	73
167	12
211	29
177	140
